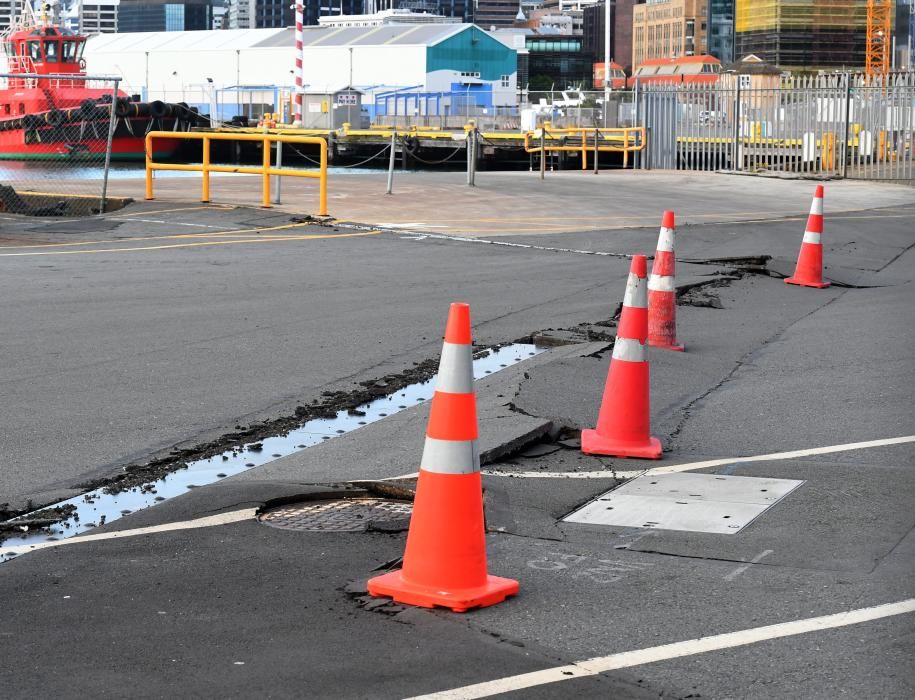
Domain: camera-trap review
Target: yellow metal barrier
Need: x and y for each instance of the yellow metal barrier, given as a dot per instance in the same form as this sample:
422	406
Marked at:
828	150
265	169
631	138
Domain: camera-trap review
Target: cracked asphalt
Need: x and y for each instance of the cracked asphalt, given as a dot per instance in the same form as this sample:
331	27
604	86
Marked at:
130	339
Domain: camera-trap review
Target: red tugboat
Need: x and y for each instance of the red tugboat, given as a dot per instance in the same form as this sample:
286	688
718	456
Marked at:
61	117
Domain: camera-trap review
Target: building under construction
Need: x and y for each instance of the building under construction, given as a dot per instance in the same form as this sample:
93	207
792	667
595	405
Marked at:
803	34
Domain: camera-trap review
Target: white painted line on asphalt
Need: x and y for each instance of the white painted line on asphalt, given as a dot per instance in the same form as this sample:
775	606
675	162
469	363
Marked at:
170	223
691	647
740	569
234	516
690	466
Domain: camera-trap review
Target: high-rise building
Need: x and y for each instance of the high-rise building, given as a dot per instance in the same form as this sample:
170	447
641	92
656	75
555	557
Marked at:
669	29
572	8
620	31
8	10
164	16
810	34
464	9
592	29
721	29
98	17
495	13
386	17
558	63
905	41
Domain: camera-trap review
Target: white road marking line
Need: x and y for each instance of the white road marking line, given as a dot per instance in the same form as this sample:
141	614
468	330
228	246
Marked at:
628	659
234	516
690	466
740	569
411	224
156	221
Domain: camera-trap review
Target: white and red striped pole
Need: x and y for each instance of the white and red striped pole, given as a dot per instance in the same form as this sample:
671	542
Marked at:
299	70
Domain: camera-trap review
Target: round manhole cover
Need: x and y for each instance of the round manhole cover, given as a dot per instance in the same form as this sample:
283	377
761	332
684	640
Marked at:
349	515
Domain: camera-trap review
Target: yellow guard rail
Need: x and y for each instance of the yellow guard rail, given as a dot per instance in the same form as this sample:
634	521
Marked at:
265	170
632	140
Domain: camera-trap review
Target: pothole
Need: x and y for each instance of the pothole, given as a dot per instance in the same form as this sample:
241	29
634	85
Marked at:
343	515
99	506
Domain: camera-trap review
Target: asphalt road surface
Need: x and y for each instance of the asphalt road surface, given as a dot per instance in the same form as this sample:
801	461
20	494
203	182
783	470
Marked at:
131	335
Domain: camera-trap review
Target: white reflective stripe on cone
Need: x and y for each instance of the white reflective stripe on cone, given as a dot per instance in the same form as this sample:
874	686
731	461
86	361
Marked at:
450	456
661	283
666	240
812	237
816	206
628	349
636	292
455	369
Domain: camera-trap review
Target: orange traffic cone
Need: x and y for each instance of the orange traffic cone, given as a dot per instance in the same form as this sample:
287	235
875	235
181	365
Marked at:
623	423
809	269
662	294
444	562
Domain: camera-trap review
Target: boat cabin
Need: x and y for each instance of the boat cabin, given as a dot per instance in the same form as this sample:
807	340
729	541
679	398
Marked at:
45	50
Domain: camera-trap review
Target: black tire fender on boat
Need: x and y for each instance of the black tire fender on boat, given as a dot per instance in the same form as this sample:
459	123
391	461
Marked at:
55	117
32	121
88	108
159	109
122	107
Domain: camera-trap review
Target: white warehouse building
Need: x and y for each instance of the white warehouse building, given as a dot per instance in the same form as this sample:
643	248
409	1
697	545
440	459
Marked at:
424	69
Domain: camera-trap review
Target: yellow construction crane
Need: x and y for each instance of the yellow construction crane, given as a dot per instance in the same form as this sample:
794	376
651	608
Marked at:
879	38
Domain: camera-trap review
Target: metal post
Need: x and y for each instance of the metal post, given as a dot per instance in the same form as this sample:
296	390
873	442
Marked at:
735	162
278	182
607	15
265	176
847	123
596	139
111	124
636	159
469	148
391	161
476	156
205	171
542	153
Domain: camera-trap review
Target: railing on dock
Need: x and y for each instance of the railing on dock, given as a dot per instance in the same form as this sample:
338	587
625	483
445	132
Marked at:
265	170
624	140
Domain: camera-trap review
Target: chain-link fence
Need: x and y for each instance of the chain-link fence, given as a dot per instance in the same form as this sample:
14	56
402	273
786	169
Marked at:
57	141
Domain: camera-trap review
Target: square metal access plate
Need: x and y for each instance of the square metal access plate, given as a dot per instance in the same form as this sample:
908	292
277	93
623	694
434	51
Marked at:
693	502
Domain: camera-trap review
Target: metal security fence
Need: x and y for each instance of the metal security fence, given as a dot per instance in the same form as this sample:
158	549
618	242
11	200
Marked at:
835	125
55	159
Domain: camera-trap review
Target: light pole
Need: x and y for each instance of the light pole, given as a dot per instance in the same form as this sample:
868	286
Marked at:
606	58
349	100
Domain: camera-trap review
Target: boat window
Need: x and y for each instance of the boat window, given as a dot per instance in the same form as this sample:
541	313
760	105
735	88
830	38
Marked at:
70	52
51	51
35	50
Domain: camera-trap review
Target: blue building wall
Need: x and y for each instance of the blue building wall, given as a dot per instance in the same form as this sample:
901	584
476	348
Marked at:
472	50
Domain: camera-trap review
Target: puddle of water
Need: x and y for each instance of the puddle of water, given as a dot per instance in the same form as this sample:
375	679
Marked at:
96	507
